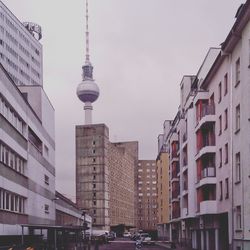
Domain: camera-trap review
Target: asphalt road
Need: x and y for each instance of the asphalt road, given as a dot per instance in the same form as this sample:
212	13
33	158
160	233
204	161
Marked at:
124	244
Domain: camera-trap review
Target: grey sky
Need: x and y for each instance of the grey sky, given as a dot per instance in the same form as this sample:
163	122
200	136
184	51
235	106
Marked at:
140	50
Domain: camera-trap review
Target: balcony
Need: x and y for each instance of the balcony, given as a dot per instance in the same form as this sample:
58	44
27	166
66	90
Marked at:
208	207
208	172
205	142
207	115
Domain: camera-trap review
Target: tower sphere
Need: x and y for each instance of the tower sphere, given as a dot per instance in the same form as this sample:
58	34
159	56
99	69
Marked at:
87	91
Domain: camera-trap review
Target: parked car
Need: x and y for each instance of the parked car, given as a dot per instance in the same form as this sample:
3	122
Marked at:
146	239
127	234
111	236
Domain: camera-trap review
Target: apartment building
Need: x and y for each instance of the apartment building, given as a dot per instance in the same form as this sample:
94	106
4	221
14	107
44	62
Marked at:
162	170
20	49
27	157
147	195
105	173
208	147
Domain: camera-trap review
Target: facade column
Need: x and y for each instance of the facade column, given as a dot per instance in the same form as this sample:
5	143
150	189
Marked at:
202	240
207	240
216	239
194	240
170	232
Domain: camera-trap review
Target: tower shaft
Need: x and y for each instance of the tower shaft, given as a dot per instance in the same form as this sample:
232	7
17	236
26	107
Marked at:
88	113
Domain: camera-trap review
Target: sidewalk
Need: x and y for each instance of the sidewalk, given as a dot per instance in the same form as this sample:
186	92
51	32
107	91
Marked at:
162	244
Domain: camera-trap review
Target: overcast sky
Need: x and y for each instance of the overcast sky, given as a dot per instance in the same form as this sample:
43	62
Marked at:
140	49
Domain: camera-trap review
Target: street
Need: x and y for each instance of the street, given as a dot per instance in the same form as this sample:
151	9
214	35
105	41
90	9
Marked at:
124	244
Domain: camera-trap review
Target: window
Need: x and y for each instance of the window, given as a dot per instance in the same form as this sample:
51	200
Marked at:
220	124
46	209
94	185
226	119
219	93
94	177
220	157
46	179
238	217
226	153
237	72
221	191
94	203
237	167
226	188
237	118
93	160
225	84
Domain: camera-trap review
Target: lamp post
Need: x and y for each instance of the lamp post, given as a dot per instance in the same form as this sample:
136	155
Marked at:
85	227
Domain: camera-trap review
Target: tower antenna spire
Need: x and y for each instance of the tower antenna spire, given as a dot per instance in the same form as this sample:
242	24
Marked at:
87	32
87	91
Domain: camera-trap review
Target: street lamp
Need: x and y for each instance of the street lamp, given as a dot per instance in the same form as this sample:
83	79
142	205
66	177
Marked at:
85	227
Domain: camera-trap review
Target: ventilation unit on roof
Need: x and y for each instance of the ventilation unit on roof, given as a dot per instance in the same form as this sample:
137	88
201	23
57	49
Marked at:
34	29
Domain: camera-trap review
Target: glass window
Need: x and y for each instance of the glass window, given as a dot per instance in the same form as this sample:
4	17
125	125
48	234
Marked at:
237	167
226	153
237	72
226	119
237	118
238	217
219	92
226	188
225	84
220	124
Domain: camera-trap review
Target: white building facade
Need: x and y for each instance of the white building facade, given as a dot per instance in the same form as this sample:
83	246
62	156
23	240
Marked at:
20	51
208	144
27	179
27	131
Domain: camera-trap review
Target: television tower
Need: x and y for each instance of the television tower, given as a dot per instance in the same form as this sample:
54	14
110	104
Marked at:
87	91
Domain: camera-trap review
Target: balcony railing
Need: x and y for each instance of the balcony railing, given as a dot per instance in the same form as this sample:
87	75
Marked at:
174	154
175	193
208	172
208	110
176	213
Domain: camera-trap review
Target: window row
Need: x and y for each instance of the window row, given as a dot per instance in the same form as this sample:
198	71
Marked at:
11	116
11	159
11	51
12	202
11	38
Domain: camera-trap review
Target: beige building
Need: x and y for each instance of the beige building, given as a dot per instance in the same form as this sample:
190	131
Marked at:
162	169
105	176
147	195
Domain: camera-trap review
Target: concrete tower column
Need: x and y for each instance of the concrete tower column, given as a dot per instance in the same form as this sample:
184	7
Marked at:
88	113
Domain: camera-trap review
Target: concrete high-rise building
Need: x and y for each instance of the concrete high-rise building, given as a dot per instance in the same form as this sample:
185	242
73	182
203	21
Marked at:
147	195
208	140
20	49
105	177
105	171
